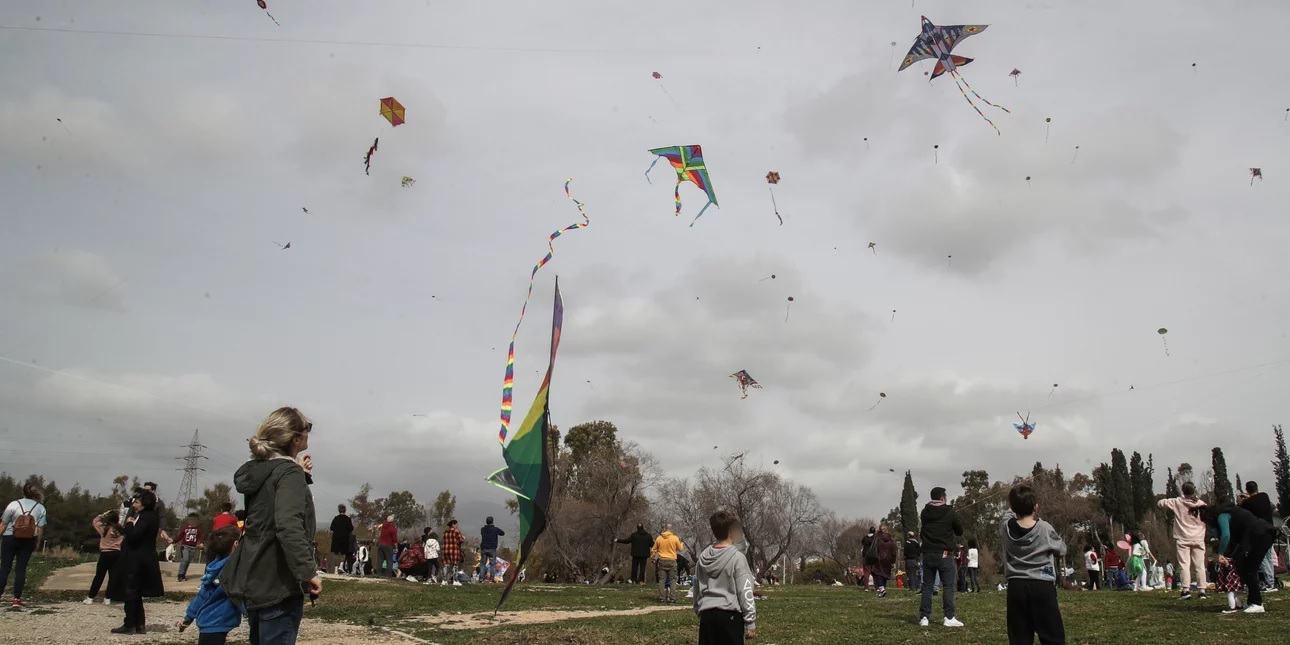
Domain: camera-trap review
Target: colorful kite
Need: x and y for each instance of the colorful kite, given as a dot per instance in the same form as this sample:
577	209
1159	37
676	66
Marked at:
508	382
688	162
1015	74
408	182
265	6
527	474
772	178
937	42
393	111
367	159
745	381
1255	172
1162	331
1025	428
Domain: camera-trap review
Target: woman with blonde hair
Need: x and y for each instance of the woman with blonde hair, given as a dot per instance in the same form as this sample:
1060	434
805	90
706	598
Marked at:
274	564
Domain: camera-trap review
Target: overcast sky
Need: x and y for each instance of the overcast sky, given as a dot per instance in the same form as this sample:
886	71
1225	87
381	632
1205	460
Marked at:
142	295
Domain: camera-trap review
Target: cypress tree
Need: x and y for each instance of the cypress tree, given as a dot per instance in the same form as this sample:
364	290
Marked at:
1171	485
1121	490
908	506
1222	484
1281	473
1137	475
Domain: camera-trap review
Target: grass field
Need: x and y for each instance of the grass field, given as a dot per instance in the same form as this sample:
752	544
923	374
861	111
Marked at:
789	615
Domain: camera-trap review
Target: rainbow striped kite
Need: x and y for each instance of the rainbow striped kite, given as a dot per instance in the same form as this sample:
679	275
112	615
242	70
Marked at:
688	162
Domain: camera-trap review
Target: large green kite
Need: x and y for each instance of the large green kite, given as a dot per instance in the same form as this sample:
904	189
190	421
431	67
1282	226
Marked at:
527	474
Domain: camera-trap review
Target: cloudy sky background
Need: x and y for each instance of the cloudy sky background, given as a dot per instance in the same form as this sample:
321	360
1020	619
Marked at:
142	295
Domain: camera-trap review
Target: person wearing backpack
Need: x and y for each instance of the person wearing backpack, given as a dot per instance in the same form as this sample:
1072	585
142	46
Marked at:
22	526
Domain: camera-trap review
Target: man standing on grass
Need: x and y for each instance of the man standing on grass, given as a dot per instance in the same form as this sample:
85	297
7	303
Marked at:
913	562
385	543
488	535
941	527
641	542
1261	506
666	548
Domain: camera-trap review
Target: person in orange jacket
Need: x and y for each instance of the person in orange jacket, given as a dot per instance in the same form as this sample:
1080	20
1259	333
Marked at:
666	548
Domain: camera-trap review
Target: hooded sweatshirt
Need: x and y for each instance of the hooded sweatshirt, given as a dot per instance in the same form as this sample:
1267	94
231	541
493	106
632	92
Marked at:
667	545
109	538
724	582
940	527
1259	504
1189	528
1028	553
211	607
275	556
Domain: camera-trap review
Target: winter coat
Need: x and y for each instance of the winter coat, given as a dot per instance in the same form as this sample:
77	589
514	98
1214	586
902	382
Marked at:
885	555
137	573
211	607
341	529
275	557
452	540
641	542
941	525
488	535
389	534
1189	528
913	549
432	549
1260	505
1238	529
667	546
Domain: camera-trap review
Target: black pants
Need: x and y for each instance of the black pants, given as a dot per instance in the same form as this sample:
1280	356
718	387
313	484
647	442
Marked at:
207	638
20	549
1032	609
638	568
134	616
1092	579
721	627
1247	565
973	581
107	560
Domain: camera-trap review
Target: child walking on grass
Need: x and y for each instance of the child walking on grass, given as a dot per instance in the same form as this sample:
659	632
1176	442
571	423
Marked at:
1029	546
724	588
211	608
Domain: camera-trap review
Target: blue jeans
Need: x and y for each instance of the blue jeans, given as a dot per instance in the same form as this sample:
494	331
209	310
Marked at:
487	560
914	573
277	625
938	563
20	549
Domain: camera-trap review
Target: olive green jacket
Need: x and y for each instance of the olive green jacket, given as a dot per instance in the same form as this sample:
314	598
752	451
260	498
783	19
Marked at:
276	555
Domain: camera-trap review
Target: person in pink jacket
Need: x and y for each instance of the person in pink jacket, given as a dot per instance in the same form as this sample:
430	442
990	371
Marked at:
1189	537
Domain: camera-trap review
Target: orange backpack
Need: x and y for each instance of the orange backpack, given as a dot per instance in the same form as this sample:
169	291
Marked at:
24	526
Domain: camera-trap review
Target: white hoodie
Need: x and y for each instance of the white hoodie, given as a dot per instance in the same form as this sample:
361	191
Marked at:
724	581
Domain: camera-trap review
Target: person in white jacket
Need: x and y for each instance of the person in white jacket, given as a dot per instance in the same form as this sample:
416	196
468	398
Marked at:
1189	537
432	556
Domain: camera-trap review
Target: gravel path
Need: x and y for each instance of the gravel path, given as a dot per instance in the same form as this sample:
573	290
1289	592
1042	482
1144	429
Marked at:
77	624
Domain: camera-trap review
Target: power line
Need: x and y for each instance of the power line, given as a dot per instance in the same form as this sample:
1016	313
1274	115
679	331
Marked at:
190	469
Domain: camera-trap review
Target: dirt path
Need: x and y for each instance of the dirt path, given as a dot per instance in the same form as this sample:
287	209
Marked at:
77	624
79	577
486	620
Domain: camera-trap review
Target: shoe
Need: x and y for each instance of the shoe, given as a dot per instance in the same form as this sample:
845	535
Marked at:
952	622
1230	611
1270	590
17	603
456	583
922	622
106	602
882	593
87	601
1200	596
124	630
1255	609
1186	595
141	630
411	578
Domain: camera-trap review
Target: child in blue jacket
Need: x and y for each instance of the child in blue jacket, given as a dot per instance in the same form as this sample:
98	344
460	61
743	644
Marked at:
211	608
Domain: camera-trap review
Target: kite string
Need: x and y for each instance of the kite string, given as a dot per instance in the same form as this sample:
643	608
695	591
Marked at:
508	383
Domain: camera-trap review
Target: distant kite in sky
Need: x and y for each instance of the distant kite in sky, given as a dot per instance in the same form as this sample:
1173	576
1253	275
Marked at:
408	182
1050	394
873	246
772	178
1162	331
689	166
1025	428
1255	172
284	246
393	111
1048	127
786	309
265	6
769	277
937	42
367	159
1015	74
881	396
745	381
306	210
659	77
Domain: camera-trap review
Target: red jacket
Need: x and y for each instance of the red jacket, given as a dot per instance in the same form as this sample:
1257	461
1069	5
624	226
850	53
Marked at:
189	536
222	520
389	534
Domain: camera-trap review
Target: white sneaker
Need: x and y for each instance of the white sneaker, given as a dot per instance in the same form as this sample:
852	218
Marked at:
922	622
456	583
952	622
107	602
87	601
411	578
1254	609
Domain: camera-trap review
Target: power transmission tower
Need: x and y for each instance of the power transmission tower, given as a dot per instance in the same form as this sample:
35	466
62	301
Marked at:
190	468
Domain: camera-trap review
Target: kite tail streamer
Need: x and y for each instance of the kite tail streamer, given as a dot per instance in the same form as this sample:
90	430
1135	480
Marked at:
678	206
781	219
651	167
974	107
508	383
983	99
676	194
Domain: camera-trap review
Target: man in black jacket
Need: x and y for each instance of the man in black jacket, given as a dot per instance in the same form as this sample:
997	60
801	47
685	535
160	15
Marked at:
342	527
641	542
941	527
1261	506
913	562
488	535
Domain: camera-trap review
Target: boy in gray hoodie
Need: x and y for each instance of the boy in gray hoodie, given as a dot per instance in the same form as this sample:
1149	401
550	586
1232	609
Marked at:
1029	545
723	587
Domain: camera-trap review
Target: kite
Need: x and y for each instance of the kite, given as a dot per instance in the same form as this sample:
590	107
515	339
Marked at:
284	246
1028	180
527	474
866	143
60	122
1048	127
393	111
367	159
508	382
873	246
937	42
772	178
771	277
1050	394
1162	331
1075	156
688	162
936	153
265	6
1025	428
881	396
306	210
1255	172
659	77
745	381
892	58
893	315
408	182
1015	74
949	260
790	306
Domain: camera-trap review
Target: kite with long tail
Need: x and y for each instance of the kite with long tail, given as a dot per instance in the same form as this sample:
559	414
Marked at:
689	166
508	384
937	42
